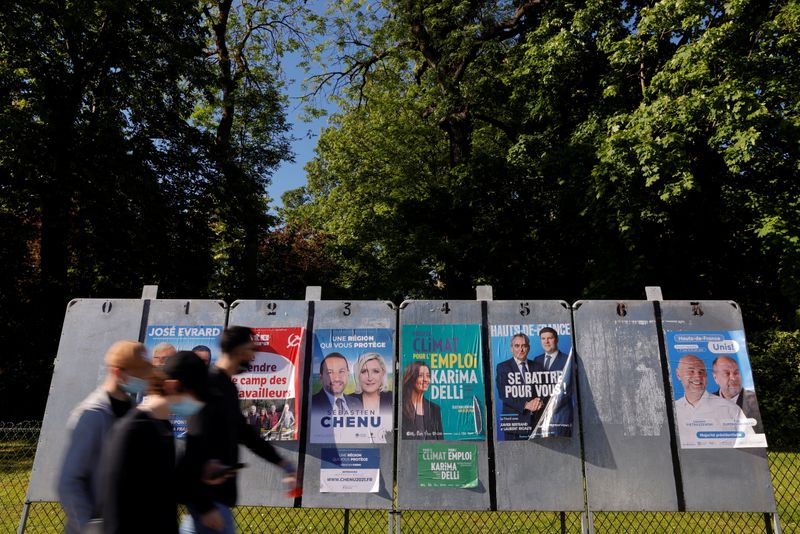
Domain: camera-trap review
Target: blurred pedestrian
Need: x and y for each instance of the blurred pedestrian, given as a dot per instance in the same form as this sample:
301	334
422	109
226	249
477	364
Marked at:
89	425
139	468
215	434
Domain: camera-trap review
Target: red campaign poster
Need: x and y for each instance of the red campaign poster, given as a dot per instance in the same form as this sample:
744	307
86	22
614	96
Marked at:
268	391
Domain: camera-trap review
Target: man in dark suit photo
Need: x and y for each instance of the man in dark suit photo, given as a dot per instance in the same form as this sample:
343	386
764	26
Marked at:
334	372
514	390
552	359
725	371
330	404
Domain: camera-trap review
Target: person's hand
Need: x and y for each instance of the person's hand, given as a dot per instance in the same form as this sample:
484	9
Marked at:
293	488
212	519
213	473
534	404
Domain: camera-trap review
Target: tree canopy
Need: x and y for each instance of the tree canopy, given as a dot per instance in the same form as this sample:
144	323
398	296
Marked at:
137	142
551	149
603	146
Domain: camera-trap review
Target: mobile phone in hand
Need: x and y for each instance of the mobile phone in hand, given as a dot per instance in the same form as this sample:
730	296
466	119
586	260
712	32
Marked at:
224	470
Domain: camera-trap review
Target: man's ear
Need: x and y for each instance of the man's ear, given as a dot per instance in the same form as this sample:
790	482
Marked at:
171	386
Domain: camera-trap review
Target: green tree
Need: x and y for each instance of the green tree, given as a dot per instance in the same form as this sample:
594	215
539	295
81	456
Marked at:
99	168
625	143
479	206
243	110
701	173
775	356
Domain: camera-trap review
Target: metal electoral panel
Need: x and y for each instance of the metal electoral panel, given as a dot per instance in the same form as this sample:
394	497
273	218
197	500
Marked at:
719	479
350	446
430	471
543	473
274	321
628	457
90	327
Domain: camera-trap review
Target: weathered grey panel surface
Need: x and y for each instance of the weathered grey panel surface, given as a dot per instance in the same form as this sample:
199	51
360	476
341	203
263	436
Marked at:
719	480
540	474
626	435
362	314
409	495
90	327
260	483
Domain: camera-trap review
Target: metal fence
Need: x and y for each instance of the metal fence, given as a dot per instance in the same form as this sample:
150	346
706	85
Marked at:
18	446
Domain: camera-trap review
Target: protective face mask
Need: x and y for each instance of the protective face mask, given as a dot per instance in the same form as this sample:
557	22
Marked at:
134	385
186	407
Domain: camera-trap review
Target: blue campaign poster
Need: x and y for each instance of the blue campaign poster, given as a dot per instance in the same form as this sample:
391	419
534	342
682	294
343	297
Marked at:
712	384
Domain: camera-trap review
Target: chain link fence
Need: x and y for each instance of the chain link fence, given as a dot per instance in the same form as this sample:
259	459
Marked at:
18	447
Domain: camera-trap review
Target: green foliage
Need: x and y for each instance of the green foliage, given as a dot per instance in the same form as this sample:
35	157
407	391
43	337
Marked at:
362	194
129	156
96	157
775	358
298	253
244	110
627	143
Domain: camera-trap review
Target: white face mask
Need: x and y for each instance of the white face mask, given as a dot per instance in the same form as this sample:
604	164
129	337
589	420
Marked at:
186	407
134	386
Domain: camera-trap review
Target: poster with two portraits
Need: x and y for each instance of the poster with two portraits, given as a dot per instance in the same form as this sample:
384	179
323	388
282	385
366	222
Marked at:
713	390
533	368
351	404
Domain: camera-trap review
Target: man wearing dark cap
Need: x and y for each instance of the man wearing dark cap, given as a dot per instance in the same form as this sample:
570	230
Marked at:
215	434
89	426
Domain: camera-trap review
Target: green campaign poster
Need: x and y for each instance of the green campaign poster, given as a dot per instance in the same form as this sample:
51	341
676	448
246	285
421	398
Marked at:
442	382
442	465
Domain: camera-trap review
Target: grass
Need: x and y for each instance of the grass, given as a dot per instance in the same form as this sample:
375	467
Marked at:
16	459
785	469
16	462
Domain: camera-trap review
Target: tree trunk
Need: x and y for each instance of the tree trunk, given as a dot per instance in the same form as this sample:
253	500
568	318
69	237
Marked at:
459	127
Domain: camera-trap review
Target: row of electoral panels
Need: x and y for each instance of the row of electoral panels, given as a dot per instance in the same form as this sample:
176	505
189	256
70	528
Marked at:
460	404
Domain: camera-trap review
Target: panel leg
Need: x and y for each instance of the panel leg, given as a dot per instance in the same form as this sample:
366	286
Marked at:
776	524
587	523
24	519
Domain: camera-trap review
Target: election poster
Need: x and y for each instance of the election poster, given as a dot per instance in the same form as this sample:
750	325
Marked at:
351	390
163	341
533	379
712	384
203	340
268	390
444	465
350	470
443	389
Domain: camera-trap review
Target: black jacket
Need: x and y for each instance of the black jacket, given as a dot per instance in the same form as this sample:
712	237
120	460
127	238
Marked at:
215	433
139	477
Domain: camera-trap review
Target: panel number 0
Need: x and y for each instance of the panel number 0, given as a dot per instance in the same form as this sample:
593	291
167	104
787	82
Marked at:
271	307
